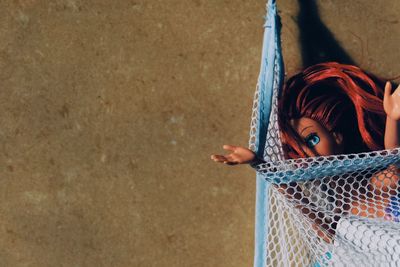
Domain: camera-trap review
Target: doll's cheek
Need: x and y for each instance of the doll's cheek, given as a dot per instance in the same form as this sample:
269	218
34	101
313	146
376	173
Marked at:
326	147
310	152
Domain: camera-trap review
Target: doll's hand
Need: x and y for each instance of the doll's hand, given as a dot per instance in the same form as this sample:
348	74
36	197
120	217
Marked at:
391	102
238	155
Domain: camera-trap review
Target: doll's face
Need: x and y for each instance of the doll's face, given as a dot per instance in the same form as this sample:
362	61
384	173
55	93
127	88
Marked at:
318	141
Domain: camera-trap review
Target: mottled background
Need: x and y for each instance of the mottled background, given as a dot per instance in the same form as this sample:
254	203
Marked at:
109	110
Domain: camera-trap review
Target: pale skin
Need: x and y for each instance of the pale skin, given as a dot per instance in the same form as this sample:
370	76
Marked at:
319	141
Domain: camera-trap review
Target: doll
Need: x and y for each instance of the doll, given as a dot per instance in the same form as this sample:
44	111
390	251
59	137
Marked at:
318	110
330	109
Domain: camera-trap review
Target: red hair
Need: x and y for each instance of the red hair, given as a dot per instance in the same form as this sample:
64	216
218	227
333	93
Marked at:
339	97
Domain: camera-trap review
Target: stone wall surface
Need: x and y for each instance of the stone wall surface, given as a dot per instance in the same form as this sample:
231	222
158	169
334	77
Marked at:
109	111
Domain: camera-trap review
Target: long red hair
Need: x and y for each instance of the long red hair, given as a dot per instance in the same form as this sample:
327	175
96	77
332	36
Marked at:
343	98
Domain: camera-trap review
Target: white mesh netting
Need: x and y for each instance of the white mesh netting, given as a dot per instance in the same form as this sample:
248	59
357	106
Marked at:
333	210
340	210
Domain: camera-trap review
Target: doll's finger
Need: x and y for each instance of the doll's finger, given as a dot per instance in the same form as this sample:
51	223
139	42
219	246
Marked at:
230	160
233	160
218	158
229	147
388	90
387	97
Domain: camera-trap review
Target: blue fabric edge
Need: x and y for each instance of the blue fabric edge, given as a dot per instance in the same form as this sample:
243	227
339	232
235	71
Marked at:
271	55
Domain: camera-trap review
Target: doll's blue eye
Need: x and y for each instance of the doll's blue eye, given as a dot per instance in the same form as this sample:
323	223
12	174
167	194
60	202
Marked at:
312	140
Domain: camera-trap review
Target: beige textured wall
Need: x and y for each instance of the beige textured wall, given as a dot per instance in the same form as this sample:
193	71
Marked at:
109	111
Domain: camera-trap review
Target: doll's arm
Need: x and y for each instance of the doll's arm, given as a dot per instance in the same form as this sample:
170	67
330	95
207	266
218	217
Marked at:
237	155
384	183
391	104
392	131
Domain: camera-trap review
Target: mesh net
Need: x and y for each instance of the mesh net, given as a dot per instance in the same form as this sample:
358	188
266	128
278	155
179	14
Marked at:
330	210
339	210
